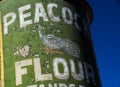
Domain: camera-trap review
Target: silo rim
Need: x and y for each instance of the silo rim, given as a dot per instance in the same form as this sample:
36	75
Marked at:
87	8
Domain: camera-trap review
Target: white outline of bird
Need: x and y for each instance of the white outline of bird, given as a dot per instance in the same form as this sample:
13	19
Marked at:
53	42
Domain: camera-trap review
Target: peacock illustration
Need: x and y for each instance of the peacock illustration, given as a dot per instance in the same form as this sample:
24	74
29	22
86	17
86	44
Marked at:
53	42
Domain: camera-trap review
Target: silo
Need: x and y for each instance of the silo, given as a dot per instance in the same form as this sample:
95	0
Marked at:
47	43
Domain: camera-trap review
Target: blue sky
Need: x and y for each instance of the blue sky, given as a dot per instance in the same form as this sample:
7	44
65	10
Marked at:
105	31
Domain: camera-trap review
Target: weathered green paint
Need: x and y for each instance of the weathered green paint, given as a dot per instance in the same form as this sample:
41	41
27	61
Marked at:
46	43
